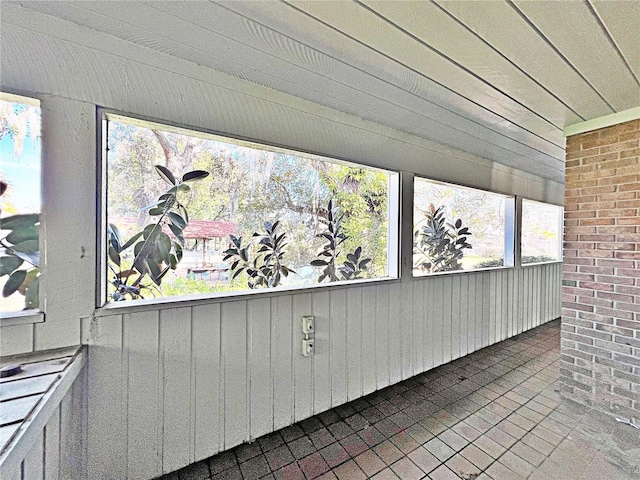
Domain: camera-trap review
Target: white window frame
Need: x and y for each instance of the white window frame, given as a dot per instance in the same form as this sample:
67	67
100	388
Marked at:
560	233
34	315
104	115
510	228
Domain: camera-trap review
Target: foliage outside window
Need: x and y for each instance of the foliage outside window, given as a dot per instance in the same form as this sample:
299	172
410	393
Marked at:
541	232
19	203
459	228
263	217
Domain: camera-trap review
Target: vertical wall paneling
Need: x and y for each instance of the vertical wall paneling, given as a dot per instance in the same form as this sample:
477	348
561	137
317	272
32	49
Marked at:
407	347
382	336
234	366
464	315
140	344
321	367
486	308
175	360
471	316
282	360
195	381
435	319
446	326
354	343
491	301
205	350
106	424
302	366
33	463
394	330
505	304
456	321
418	331
479	299
338	349
260	372
52	446
369	348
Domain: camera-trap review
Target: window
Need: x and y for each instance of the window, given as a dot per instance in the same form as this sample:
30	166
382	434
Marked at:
459	228
541	232
19	203
194	213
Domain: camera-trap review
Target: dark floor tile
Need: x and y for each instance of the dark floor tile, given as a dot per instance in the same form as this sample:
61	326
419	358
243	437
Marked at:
345	410
357	422
269	442
340	430
301	447
371	436
290	472
328	417
246	451
334	454
291	433
233	473
354	445
222	462
311	424
279	457
313	466
321	438
388	452
195	471
255	468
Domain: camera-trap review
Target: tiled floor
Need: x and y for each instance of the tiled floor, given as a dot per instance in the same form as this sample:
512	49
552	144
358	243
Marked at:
493	414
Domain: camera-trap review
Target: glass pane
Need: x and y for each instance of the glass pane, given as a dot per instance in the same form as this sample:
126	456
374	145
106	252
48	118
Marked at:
457	228
541	232
262	217
19	202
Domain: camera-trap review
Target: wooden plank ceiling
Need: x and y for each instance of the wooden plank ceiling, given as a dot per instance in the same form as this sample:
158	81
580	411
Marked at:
497	79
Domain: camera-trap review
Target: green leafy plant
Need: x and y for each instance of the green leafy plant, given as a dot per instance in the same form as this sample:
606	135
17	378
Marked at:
21	249
266	269
351	268
440	244
154	251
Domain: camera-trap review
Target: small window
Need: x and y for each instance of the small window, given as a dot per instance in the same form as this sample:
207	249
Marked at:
541	232
460	228
19	203
193	213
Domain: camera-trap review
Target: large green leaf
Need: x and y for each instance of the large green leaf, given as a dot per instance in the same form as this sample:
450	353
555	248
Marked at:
131	241
28	246
19	221
177	220
9	264
194	175
166	174
19	235
14	282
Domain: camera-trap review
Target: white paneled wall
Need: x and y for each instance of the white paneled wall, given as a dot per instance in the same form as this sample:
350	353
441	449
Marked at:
175	385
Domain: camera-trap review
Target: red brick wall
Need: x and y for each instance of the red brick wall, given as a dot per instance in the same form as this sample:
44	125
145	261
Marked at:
601	277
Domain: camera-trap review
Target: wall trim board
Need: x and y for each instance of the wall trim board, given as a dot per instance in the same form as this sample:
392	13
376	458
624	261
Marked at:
602	122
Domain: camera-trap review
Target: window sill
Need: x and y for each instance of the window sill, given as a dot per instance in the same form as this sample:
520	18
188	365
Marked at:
21	318
462	272
116	308
537	264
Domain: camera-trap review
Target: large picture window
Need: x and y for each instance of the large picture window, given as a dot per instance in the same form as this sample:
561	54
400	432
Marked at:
541	237
19	203
193	213
459	228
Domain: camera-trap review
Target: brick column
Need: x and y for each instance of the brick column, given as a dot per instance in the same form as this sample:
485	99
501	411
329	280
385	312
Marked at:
601	276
